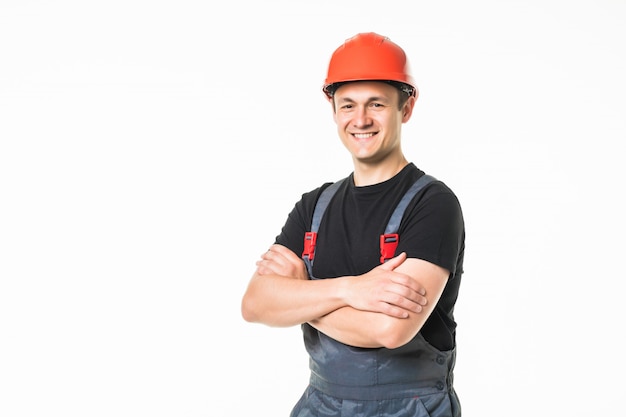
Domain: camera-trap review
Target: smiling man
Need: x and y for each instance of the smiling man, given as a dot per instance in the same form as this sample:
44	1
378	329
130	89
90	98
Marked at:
370	265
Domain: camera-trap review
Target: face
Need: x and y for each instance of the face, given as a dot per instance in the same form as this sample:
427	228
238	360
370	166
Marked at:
369	121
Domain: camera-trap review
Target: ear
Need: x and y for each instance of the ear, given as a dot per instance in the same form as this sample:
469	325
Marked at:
407	109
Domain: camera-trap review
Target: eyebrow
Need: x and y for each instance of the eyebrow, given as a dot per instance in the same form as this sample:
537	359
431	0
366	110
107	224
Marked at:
369	100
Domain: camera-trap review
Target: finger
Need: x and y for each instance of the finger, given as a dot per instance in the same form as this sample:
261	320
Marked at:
406	303
409	283
287	256
413	292
393	311
272	256
416	287
270	262
286	253
394	262
280	249
261	270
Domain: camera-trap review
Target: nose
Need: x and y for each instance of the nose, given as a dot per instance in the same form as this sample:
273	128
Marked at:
361	118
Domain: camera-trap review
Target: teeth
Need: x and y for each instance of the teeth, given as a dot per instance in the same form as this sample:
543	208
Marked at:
363	135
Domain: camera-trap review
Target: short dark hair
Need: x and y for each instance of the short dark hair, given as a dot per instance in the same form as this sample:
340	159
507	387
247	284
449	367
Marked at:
405	90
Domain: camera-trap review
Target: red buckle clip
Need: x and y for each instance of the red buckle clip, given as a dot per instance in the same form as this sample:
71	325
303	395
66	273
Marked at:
388	245
310	238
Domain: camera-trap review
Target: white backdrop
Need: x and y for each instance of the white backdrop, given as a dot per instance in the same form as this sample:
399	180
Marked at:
151	150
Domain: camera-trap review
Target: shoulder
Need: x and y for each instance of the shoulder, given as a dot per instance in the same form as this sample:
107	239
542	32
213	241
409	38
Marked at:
309	199
431	187
300	218
437	203
440	192
326	190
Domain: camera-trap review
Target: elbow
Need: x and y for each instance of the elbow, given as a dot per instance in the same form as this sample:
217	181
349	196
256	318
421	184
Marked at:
247	315
395	333
394	342
248	312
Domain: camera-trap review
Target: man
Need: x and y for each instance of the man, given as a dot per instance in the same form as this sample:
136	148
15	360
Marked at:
379	328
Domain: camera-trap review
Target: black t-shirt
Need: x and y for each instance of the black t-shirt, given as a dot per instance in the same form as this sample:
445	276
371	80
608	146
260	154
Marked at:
432	229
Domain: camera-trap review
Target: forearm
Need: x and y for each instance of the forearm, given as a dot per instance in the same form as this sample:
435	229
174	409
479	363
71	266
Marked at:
282	301
367	329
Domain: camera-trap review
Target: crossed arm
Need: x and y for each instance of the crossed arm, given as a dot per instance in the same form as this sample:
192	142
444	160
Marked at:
386	306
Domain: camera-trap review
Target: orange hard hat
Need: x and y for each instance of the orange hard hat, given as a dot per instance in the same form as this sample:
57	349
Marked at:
369	57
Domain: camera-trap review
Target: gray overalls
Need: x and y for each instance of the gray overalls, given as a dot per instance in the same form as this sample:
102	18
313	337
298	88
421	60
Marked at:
415	380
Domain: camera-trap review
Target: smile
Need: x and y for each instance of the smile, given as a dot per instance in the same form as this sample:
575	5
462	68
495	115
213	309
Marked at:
363	135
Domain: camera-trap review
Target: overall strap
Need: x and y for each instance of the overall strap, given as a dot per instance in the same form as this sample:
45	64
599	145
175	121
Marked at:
310	238
389	240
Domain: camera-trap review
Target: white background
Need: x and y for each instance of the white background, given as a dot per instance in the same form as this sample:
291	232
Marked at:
151	150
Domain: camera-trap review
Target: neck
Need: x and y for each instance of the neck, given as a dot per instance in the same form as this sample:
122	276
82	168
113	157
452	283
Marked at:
365	174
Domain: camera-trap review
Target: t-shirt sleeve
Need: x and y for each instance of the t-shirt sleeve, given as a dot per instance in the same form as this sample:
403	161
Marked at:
299	222
433	229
